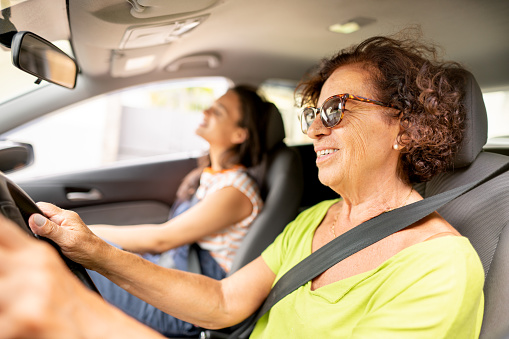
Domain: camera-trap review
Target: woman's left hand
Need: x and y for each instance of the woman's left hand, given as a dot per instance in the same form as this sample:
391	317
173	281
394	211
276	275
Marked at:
42	299
68	231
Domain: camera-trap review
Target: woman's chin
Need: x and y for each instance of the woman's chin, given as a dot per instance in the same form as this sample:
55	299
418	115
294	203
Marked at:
325	178
329	177
200	131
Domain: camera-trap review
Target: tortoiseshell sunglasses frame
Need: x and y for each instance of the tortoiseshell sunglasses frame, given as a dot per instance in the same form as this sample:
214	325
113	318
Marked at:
305	124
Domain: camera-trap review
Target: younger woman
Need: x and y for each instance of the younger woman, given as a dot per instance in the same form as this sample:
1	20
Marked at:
217	202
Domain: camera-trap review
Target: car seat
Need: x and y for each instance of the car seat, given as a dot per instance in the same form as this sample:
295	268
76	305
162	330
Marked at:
482	214
281	182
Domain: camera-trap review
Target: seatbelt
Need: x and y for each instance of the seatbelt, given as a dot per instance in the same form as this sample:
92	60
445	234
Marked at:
359	237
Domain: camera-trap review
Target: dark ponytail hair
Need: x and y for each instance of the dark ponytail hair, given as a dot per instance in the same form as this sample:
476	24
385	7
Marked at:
254	111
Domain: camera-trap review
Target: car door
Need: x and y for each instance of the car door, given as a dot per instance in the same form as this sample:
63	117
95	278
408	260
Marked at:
118	195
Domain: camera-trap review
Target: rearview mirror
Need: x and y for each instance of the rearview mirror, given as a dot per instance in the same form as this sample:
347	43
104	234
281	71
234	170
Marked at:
41	58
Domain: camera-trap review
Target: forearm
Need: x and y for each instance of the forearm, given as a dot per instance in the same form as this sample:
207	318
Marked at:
138	239
191	297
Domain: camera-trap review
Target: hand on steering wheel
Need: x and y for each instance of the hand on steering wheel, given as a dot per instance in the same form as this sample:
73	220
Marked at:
17	206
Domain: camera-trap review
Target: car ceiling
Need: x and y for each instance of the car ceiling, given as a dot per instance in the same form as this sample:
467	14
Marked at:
280	39
252	41
283	39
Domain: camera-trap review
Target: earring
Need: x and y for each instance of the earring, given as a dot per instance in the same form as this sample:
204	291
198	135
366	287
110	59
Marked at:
395	146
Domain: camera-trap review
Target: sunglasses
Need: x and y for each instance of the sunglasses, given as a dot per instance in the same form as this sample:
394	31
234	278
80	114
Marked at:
332	110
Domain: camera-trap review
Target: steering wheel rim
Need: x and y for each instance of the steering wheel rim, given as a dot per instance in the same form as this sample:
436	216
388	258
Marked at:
16	205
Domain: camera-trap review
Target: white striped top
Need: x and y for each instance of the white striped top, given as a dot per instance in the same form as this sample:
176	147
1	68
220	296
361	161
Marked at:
223	245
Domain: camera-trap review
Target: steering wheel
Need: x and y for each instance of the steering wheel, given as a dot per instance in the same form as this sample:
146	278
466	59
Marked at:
16	205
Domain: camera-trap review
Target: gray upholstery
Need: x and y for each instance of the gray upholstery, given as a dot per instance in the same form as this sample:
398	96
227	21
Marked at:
482	214
476	129
281	183
275	128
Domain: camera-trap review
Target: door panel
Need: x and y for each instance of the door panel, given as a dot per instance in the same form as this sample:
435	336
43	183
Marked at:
127	213
121	194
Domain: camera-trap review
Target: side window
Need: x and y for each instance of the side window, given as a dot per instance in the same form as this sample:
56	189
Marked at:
497	107
281	93
150	120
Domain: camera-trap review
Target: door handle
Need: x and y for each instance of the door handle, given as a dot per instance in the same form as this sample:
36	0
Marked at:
93	194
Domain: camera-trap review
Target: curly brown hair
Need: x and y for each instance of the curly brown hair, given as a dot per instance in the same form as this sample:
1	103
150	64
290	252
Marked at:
427	93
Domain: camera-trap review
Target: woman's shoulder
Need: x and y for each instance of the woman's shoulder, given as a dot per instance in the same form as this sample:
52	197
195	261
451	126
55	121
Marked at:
237	178
229	177
449	252
445	244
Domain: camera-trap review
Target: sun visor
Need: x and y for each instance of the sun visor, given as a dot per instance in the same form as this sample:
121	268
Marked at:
158	34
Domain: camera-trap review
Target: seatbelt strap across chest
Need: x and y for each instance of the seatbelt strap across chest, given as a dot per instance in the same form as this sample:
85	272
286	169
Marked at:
361	236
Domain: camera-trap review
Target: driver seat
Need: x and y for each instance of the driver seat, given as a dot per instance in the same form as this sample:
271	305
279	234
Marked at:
482	214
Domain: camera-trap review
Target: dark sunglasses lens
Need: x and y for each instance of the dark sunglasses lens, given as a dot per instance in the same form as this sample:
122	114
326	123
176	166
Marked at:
332	112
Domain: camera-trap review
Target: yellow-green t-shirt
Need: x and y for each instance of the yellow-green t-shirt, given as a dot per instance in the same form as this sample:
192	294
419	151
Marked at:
433	289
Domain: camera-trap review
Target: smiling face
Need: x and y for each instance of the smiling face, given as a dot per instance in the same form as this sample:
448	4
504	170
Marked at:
359	149
220	123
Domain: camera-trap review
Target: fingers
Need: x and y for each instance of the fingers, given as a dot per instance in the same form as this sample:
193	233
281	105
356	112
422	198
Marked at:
53	212
60	216
68	231
44	227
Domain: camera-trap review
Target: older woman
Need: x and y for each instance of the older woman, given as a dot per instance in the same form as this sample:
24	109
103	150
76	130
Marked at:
382	117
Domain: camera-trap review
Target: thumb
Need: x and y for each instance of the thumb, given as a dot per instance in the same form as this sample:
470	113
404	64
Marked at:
42	226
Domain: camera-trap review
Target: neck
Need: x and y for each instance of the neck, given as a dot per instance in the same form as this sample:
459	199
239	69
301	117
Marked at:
217	158
369	201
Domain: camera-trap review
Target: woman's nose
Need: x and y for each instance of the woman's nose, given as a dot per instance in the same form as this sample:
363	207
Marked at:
317	129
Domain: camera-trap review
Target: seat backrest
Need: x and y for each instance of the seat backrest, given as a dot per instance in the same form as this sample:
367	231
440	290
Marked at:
482	214
281	184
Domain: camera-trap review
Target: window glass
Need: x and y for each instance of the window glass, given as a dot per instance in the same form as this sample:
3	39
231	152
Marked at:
281	93
152	120
497	106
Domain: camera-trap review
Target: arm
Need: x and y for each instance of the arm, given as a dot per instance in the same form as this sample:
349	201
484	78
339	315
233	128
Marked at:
216	211
194	298
42	299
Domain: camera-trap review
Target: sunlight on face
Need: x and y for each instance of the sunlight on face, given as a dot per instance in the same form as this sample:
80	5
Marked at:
360	146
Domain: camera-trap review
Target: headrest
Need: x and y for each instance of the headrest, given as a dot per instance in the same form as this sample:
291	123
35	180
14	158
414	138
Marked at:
476	124
275	128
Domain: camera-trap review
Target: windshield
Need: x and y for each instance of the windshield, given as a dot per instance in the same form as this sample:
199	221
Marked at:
19	81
